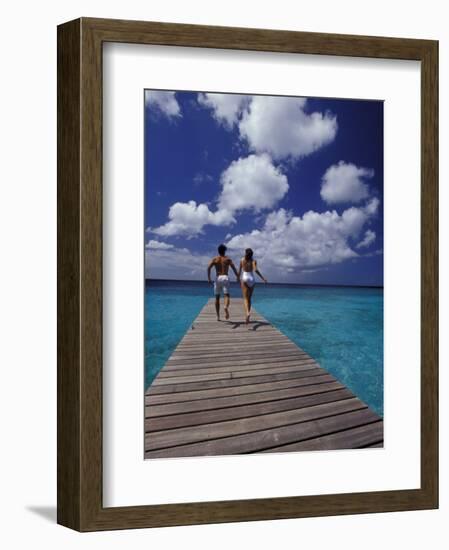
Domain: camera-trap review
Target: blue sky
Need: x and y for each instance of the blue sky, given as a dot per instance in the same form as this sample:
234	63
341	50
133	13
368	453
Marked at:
299	180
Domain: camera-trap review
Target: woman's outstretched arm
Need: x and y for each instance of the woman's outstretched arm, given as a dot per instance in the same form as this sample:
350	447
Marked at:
259	273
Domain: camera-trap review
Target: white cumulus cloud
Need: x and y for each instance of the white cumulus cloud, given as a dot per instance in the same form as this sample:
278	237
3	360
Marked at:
189	218
225	107
165	101
250	183
281	127
288	243
368	239
345	182
253	183
158	245
372	206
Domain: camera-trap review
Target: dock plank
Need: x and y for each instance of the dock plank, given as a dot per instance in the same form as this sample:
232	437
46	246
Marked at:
204	432
218	415
367	435
264	383
242	365
267	368
229	388
223	383
269	438
220	402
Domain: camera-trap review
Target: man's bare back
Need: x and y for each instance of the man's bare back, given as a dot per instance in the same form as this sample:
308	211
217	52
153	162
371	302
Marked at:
221	263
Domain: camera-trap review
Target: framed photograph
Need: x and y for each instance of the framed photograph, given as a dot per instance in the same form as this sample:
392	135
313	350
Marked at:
247	274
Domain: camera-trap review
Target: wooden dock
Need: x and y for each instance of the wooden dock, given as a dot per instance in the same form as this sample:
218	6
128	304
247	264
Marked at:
232	389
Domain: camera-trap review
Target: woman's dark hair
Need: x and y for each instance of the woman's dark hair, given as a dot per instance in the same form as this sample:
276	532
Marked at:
248	254
222	250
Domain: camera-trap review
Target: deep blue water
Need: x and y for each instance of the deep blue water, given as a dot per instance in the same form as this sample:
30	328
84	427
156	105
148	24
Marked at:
340	327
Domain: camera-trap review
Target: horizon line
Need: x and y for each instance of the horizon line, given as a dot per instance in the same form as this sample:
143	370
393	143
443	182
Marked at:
274	283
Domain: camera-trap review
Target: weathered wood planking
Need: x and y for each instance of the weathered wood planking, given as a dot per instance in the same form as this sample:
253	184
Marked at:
229	388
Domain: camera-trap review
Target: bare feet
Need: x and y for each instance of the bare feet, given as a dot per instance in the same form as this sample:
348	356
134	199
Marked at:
247	319
226	313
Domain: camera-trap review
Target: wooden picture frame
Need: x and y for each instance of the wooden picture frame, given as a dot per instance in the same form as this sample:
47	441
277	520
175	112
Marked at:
79	472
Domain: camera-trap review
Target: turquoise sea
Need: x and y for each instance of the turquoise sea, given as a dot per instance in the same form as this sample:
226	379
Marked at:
340	327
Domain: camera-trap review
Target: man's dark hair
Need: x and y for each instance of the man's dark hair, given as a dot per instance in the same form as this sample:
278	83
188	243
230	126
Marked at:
222	250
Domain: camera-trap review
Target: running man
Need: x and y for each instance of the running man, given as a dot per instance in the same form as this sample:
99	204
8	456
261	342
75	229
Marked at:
222	264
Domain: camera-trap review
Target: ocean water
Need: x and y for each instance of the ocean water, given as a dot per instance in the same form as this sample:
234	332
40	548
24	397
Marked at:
340	327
